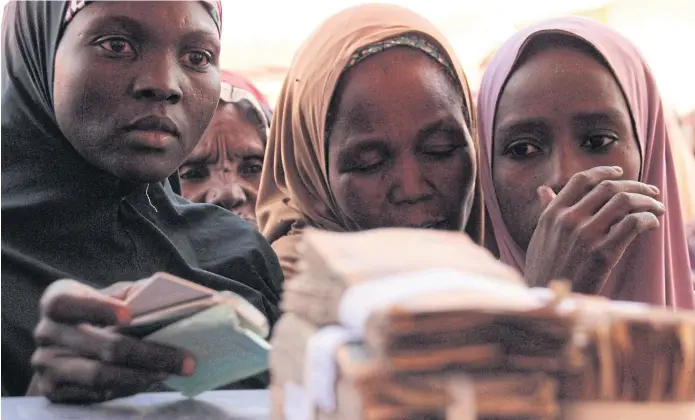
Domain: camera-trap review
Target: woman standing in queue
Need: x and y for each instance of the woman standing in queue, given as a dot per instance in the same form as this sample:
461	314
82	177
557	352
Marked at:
576	165
102	101
225	167
373	128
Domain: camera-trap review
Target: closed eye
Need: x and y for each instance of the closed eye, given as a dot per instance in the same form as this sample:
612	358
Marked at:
441	151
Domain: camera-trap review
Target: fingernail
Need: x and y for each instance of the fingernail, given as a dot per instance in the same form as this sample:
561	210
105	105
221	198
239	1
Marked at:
188	368
123	316
655	189
618	169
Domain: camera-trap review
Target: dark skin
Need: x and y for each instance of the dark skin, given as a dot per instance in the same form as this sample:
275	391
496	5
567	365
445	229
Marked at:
121	61
566	168
400	144
118	62
225	168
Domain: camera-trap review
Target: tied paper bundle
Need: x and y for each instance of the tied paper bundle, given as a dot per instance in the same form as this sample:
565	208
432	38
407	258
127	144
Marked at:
332	262
225	332
640	365
641	360
379	320
428	301
364	390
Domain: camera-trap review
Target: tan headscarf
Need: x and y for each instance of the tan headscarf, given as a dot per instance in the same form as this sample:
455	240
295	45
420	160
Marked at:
294	189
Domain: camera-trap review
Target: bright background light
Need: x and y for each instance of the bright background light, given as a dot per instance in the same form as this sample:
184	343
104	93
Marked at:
260	37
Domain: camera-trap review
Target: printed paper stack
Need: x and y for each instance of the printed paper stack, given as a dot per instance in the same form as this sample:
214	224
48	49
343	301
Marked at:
412	324
640	364
379	321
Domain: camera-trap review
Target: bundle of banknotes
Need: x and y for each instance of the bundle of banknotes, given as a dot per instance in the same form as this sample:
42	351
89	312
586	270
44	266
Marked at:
415	324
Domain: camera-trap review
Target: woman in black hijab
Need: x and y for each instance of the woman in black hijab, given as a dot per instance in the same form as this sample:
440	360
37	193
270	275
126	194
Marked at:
101	102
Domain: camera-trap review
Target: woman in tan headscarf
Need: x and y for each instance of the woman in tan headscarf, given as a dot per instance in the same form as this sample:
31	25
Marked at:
373	128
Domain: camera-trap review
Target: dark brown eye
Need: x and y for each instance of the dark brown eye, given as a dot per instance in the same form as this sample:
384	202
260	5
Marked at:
598	142
521	149
198	59
251	168
117	45
194	173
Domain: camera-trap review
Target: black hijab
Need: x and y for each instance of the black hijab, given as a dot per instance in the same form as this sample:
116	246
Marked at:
64	218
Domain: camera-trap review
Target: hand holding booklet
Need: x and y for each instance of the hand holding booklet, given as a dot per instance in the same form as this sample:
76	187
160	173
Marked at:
226	333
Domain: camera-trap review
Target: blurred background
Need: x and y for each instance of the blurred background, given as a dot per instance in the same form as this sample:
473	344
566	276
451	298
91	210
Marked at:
260	37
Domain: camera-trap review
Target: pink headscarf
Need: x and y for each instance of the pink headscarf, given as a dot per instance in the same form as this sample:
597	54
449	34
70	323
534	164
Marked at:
655	267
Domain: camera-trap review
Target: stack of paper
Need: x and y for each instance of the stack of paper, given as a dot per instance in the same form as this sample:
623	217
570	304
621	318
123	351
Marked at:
378	322
412	324
225	332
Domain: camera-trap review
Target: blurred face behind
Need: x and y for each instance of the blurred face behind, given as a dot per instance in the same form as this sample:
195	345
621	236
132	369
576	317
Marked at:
136	84
225	168
399	151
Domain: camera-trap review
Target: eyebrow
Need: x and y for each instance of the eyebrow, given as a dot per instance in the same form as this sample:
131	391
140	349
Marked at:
523	125
122	22
247	152
200	159
135	27
597	117
438	125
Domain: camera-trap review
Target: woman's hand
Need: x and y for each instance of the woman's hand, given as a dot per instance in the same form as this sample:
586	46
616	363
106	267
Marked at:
583	231
80	357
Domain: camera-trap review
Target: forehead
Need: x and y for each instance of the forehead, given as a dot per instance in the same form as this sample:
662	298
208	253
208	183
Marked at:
158	18
230	129
402	80
558	81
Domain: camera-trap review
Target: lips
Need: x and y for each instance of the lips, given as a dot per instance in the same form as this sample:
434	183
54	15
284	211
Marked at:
155	123
153	132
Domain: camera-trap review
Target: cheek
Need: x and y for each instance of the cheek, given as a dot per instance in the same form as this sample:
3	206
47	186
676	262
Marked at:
632	161
201	105
84	102
358	195
253	185
515	187
194	190
457	172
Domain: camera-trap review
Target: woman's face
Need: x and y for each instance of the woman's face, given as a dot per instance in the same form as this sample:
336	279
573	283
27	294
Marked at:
399	152
136	84
225	167
561	112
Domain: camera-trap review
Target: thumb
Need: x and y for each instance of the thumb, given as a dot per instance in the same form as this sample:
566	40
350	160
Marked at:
545	195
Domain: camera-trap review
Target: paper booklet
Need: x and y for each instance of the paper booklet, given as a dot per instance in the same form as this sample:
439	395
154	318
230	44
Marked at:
226	333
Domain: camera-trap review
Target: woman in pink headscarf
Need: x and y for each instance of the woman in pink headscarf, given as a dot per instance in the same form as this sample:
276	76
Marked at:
576	165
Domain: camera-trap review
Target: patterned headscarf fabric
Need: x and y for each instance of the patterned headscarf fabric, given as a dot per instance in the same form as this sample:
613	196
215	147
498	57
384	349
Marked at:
408	40
214	7
654	268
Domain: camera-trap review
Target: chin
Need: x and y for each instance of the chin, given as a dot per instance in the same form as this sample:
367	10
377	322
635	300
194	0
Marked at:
143	175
